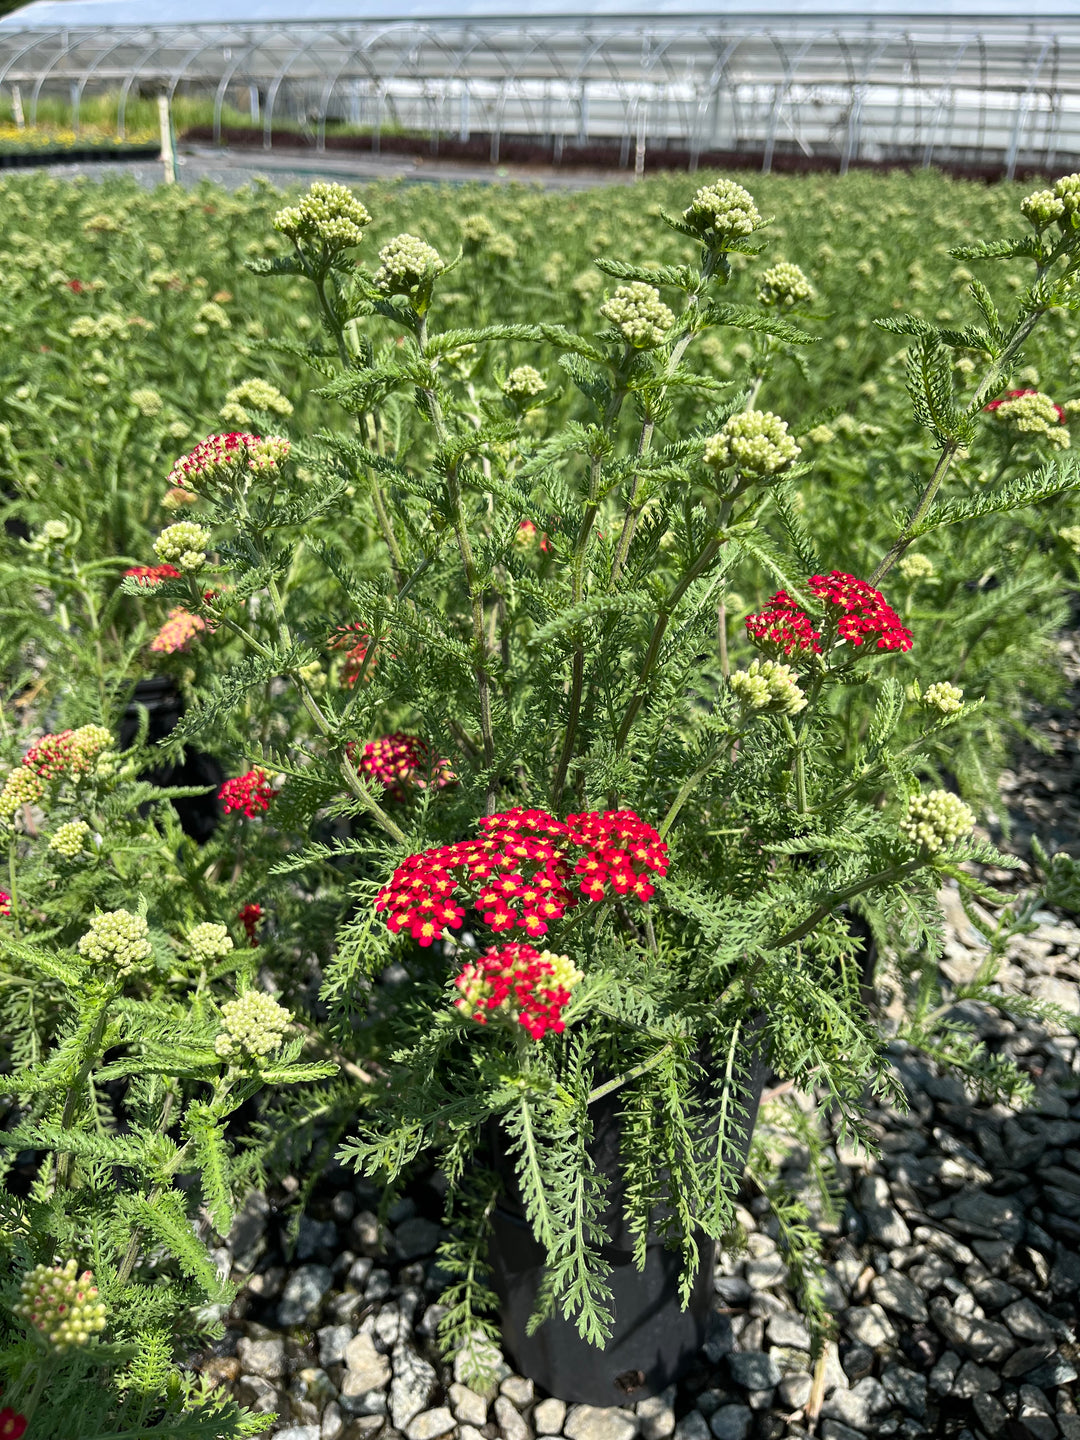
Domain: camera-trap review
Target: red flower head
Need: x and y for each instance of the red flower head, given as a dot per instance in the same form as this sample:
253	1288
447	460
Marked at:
401	762
857	611
222	456
518	873
354	639
250	917
529	986
12	1425
77	287
150	575
51	756
250	793
5	909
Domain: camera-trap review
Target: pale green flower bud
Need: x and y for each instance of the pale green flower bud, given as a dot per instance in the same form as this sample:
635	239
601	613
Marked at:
148	402
1067	190
253	1024
756	442
209	942
62	1304
524	381
329	213
184	544
22	787
766	685
1071	535
722	211
936	821
915	567
784	284
53	532
119	940
260	395
1042	208
406	262
639	313
476	230
944	697
1032	414
70	840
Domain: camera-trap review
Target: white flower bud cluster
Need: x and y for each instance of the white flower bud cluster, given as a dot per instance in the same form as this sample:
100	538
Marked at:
1071	535
722	211
523	382
640	315
916	567
477	229
148	402
1035	414
755	441
944	697
405	262
784	284
22	787
1042	208
936	820
53	532
260	395
62	1304
69	841
184	544
329	213
254	1023
209	942
767	685
117	939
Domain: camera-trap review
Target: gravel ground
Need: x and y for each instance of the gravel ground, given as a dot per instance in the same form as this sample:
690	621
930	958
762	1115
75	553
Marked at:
954	1271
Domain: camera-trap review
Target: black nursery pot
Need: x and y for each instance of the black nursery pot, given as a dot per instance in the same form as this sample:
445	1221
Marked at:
159	696
654	1339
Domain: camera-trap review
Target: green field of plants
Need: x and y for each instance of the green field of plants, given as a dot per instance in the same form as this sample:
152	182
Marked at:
399	577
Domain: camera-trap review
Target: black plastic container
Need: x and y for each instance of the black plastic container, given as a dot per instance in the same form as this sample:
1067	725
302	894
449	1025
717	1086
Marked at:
198	814
654	1339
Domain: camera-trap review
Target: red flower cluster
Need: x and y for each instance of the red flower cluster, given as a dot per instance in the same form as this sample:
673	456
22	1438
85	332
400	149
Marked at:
519	981
75	285
355	639
149	575
526	537
223	455
859	612
1016	395
250	793
250	917
5	910
12	1424
519	872
51	756
399	762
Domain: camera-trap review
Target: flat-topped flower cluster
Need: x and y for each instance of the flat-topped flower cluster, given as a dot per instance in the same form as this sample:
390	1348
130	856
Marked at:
519	872
531	987
854	610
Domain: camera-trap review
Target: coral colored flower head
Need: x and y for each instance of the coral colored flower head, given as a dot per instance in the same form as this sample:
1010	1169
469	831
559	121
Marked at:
225	457
12	1424
400	763
531	987
178	632
250	917
528	537
250	793
149	576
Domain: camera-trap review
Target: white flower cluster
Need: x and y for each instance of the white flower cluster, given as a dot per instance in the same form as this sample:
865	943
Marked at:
639	313
1043	207
1034	414
722	211
260	395
254	1023
755	441
62	1304
784	284
328	213
944	697
184	544
22	787
148	402
767	685
916	567
405	262
523	382
936	820
209	942
117	939
70	839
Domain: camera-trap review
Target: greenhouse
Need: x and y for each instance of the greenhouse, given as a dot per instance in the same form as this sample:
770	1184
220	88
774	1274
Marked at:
781	84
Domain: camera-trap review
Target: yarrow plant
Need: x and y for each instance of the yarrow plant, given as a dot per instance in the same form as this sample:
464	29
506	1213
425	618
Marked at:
249	794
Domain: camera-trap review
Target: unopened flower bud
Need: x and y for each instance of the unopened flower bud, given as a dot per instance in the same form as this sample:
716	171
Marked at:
22	787
253	1024
405	262
1042	208
639	313
184	544
329	214
260	395
756	442
769	686
209	942
944	697
117	940
722	211
70	840
936	820
784	284
1067	190
62	1304
523	382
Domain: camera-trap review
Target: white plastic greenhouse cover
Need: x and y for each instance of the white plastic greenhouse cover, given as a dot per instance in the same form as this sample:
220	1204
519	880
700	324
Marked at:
958	81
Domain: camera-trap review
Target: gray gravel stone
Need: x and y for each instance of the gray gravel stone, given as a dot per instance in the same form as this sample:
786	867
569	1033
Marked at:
765	1272
656	1415
262	1357
1036	1414
883	1221
906	1387
858	1407
298	1432
315	1235
511	1424
794	1390
411	1388
548	1417
732	1422
366	1368
869	1325
470	1432
593	1422
692	1427
896	1292
789	1329
1026	1360
518	1390
837	1430
332	1342
333	1422
992	1217
355	1401
430	1423
1026	1321
981	1340
303	1294
944	1373
469	1406
972	1380
992	1414
415	1237
754	1370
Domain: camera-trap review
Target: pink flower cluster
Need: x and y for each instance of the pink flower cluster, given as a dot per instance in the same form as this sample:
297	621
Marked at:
70	752
178	632
222	456
250	793
401	762
150	575
519	872
518	980
858	611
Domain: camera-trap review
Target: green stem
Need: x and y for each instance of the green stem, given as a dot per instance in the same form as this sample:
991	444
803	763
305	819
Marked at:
798	764
882	877
620	1080
688	785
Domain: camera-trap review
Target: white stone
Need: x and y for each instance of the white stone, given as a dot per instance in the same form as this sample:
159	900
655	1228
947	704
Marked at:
592	1422
467	1405
548	1417
430	1423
